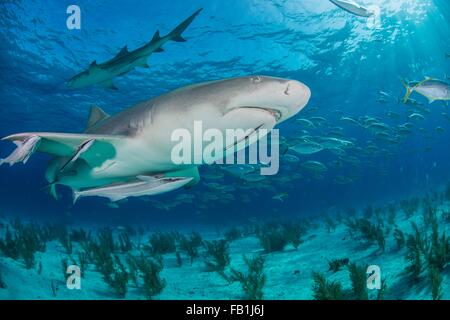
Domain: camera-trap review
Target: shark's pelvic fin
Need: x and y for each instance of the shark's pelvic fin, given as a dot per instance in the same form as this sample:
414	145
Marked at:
96	115
108	84
51	190
142	63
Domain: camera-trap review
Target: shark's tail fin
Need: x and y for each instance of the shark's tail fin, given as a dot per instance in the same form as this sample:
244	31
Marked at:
409	90
175	34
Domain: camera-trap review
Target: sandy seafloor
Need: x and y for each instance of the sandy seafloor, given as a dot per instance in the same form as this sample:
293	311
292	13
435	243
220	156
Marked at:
289	272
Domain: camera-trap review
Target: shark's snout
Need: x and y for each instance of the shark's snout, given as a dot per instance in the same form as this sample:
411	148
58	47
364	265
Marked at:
294	98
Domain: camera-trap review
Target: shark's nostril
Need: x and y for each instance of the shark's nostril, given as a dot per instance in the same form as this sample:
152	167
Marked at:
286	92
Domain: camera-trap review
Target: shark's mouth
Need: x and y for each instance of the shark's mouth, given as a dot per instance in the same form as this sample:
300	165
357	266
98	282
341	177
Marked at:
277	114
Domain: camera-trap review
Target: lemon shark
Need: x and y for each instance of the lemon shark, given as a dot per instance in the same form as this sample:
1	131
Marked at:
125	61
117	152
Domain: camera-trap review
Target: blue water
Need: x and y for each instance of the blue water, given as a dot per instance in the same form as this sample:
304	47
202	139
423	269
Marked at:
344	61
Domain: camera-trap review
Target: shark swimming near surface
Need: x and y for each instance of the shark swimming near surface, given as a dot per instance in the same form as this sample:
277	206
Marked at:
353	8
125	61
129	154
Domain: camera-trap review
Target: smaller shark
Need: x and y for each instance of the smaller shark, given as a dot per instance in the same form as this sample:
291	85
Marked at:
125	61
353	8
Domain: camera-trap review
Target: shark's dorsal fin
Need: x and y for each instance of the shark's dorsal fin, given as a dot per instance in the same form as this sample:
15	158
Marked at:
95	116
124	51
156	37
93	64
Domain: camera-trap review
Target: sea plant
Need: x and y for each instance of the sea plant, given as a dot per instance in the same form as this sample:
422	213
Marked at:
439	251
65	240
10	245
80	235
179	259
109	265
447	192
125	244
162	242
64	266
399	237
429	213
218	251
358	280
436	283
330	224
294	232
118	279
190	245
367	230
149	270
379	236
83	258
133	269
254	280
382	291
106	239
391	214
416	248
410	207
273	237
2	281
39	270
336	264
446	216
233	234
368	212
54	287
326	290
23	241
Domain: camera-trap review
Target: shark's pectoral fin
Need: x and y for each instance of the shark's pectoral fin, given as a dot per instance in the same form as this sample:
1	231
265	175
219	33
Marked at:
108	84
102	148
159	50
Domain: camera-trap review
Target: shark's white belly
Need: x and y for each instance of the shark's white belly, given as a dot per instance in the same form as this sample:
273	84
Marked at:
135	157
